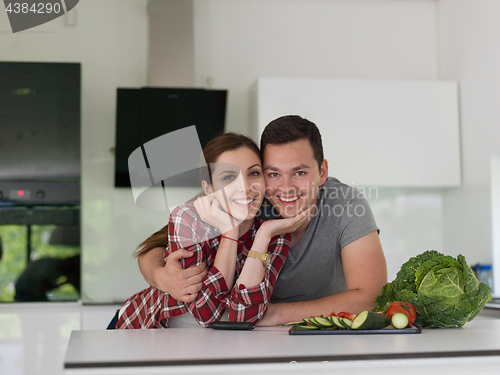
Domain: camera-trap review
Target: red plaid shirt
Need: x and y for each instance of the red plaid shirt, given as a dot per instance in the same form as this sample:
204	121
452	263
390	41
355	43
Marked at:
151	307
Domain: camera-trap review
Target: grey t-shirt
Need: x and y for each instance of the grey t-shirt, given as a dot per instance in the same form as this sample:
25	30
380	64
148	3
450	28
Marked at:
313	268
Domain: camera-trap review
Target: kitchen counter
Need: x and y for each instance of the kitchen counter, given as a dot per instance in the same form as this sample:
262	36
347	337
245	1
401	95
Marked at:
476	346
493	304
491	310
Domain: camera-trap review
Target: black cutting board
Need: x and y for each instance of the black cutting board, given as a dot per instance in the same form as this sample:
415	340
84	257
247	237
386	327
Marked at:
330	331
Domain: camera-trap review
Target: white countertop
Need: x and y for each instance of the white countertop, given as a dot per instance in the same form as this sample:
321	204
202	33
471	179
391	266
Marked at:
178	347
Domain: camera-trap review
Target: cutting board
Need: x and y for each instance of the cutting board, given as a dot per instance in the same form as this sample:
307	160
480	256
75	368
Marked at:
390	330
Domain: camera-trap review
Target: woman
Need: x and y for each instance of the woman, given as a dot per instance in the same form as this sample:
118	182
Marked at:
223	230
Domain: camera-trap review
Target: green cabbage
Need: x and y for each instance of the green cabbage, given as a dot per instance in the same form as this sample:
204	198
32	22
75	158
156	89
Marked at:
444	290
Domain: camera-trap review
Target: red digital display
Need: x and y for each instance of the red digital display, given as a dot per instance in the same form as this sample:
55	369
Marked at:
19	194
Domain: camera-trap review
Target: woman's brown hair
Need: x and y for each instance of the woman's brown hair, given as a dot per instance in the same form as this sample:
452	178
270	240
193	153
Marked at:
215	148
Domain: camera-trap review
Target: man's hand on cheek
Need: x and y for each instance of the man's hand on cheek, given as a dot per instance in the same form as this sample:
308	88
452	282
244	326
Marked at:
182	284
288	225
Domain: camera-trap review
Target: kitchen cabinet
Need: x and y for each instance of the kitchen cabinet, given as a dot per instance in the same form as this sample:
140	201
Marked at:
375	132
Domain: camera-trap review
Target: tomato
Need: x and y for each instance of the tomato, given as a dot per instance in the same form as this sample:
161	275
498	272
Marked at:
402	307
333	314
347	315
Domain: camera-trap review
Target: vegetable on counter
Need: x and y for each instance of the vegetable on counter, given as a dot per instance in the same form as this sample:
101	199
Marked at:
345	320
405	308
370	320
399	320
346	315
444	290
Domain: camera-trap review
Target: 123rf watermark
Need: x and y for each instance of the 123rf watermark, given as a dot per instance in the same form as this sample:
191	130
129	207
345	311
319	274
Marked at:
438	365
26	14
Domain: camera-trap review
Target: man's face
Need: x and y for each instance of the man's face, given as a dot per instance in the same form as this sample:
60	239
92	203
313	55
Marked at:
292	176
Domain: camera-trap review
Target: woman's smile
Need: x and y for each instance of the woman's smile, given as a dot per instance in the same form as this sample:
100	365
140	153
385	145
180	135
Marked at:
239	183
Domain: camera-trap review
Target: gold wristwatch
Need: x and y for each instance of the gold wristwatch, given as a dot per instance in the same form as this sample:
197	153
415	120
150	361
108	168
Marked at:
265	258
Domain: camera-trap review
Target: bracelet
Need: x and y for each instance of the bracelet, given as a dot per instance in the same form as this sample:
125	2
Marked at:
232	239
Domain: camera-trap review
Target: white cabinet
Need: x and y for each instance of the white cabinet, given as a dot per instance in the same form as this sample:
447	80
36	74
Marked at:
375	133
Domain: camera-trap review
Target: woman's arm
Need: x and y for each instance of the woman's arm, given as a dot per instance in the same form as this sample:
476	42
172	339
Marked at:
253	289
253	271
208	208
187	230
249	303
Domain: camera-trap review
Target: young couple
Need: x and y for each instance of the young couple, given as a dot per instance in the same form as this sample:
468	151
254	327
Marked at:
326	234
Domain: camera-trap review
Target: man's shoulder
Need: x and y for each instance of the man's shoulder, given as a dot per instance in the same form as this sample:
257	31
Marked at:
334	191
333	182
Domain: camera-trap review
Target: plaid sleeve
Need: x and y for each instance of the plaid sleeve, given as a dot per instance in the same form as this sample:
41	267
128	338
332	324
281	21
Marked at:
143	310
250	304
186	228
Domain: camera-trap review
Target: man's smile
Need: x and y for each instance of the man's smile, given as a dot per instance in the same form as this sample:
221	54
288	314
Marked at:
289	199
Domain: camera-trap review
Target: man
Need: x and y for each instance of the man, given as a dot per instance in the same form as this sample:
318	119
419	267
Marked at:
335	263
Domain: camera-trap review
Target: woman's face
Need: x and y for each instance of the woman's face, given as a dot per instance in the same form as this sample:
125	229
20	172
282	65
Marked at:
238	183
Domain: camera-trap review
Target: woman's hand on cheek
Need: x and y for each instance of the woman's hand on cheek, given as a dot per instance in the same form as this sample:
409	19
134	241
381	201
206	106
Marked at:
289	225
209	209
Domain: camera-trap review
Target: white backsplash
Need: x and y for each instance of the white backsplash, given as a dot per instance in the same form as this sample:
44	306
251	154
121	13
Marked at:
410	222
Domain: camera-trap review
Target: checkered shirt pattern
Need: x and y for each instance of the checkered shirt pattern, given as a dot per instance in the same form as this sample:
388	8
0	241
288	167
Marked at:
151	307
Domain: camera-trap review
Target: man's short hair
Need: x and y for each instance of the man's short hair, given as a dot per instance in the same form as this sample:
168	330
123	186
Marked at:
291	128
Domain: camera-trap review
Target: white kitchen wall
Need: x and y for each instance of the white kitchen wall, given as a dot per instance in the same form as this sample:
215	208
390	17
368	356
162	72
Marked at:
238	41
469	35
495	217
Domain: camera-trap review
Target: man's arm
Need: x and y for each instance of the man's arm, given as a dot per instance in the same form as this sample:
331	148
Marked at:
149	262
169	276
365	273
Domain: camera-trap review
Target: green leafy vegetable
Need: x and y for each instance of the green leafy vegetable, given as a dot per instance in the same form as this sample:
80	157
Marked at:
444	290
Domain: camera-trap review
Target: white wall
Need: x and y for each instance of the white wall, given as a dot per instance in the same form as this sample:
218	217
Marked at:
495	217
469	34
238	41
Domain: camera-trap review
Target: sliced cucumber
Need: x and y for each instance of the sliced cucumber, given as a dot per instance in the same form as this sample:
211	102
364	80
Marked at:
306	327
312	321
399	321
370	320
323	322
295	323
331	321
346	322
335	320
